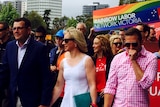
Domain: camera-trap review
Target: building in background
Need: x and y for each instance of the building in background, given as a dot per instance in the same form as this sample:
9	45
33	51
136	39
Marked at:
88	9
23	7
19	5
41	5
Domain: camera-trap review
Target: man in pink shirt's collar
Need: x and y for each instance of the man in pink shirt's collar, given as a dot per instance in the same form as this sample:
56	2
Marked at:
131	74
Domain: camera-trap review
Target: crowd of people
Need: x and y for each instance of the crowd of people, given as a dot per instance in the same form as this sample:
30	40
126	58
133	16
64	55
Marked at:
116	69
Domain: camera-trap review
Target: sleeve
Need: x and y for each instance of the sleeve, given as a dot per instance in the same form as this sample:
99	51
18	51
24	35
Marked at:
111	84
52	56
4	72
47	80
149	74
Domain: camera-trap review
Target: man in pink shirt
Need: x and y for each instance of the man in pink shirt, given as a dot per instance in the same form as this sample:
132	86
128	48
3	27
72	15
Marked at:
131	74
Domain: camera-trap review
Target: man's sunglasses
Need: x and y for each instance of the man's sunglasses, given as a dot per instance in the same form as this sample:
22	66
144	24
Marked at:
36	37
129	44
118	44
67	40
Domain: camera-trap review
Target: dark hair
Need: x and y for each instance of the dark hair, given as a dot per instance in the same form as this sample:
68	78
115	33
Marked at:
5	25
41	29
121	29
146	28
27	22
134	31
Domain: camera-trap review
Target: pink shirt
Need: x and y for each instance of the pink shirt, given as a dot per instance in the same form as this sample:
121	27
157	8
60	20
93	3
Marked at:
122	81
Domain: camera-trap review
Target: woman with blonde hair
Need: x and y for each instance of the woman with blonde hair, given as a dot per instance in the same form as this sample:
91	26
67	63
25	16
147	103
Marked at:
77	70
116	44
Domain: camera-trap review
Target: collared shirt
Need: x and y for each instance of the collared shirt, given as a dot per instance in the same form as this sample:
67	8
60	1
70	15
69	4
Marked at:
21	51
122	80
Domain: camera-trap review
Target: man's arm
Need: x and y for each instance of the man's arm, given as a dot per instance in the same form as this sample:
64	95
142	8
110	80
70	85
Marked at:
47	80
137	70
108	99
133	54
145	78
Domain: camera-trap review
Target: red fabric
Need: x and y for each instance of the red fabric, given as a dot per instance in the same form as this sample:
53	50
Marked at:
155	90
100	73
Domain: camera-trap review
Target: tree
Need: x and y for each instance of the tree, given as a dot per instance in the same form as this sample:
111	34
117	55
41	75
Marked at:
63	22
71	22
25	14
8	13
121	2
56	23
36	20
82	18
47	19
0	6
59	23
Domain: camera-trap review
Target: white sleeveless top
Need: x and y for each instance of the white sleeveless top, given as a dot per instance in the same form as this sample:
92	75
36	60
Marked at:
75	81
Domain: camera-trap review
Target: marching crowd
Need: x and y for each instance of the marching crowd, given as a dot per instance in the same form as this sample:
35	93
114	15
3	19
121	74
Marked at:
116	69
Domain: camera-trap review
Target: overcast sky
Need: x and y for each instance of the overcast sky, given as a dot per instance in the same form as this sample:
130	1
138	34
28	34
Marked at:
72	8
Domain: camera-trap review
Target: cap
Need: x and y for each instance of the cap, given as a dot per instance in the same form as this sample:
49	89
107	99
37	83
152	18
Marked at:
60	33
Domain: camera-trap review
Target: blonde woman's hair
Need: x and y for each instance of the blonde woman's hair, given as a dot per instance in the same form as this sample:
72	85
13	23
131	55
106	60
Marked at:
113	37
78	38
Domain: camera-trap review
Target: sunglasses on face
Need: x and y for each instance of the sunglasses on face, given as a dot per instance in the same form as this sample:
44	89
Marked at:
36	37
58	38
129	44
118	44
67	40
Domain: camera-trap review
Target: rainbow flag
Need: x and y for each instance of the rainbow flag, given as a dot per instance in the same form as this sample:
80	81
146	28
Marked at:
126	15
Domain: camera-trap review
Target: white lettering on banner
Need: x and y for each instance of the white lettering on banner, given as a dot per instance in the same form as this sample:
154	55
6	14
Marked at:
102	25
115	21
129	21
158	76
107	19
154	91
126	16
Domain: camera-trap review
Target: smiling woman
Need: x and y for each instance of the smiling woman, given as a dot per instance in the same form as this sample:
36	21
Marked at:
76	70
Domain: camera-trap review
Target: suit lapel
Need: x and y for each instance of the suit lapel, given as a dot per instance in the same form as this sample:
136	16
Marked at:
14	56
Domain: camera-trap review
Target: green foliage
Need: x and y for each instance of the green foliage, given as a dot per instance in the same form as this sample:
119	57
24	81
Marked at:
65	22
121	2
72	22
25	14
47	19
36	20
8	13
59	23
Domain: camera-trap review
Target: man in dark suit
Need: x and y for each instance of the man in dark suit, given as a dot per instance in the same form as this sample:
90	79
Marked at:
26	66
5	37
